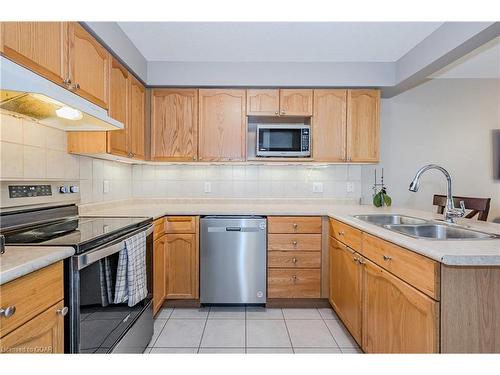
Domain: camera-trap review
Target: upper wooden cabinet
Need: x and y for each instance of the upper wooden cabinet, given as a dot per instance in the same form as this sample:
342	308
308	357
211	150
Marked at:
296	102
137	123
363	125
118	108
39	46
222	125
174	124
329	128
89	64
265	102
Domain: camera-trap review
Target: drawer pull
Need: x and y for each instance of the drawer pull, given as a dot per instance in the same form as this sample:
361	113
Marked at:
62	311
341	233
294	242
8	311
387	258
361	261
354	259
294	260
294	278
295	225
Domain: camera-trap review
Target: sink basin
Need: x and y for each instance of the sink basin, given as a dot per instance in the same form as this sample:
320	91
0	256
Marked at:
389	219
436	231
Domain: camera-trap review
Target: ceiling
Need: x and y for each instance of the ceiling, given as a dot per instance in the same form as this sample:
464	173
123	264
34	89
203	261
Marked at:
276	41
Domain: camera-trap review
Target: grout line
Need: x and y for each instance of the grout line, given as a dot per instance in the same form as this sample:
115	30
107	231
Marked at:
162	328
203	333
328	328
288	332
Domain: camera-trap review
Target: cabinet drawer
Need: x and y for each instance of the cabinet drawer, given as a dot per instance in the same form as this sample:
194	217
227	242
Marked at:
31	295
306	242
293	283
158	228
417	270
294	224
346	234
296	259
180	224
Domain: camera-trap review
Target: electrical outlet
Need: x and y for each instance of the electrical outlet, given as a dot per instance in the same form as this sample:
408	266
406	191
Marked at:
105	186
349	187
317	187
208	187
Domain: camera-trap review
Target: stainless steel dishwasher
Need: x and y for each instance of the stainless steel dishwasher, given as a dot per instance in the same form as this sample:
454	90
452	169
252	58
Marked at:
233	260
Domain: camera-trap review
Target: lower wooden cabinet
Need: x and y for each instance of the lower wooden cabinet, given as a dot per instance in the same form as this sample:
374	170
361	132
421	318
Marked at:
42	334
346	276
159	273
397	318
182	266
293	283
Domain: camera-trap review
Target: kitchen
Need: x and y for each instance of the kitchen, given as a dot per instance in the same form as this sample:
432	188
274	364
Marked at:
169	195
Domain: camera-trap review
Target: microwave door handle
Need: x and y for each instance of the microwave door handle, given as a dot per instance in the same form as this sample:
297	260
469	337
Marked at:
86	259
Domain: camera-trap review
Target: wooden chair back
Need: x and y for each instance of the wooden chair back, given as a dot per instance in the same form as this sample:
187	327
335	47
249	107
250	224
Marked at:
478	206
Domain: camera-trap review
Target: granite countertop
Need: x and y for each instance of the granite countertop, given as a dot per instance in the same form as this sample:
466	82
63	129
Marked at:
451	252
18	261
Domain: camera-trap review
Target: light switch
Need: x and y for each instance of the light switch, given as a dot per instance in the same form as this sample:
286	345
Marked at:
105	186
317	187
349	187
208	187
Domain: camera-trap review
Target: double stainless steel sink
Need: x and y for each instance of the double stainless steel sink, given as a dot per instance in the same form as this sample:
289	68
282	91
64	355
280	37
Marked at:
420	228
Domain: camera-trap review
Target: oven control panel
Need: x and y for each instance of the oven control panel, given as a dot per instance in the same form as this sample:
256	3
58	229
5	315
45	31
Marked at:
24	191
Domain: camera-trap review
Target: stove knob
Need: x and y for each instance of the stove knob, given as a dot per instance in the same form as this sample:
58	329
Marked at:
74	189
64	189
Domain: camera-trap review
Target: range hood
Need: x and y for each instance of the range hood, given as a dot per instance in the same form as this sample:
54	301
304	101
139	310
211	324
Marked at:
24	93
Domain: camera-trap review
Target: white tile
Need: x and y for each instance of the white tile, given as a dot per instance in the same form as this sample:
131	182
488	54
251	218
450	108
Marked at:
165	313
181	333
225	172
227	313
267	334
71	167
340	172
239	172
137	188
33	134
264	313
85	191
157	328
252	173
97	169
97	190
174	350
222	351
55	139
317	350
108	170
137	172
11	129
269	350
224	333
310	333
298	313
190	313
356	350
328	313
148	172
340	334
34	162
12	157
55	164
354	173
85	168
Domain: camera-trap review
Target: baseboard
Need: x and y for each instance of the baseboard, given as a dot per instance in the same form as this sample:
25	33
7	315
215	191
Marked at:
182	303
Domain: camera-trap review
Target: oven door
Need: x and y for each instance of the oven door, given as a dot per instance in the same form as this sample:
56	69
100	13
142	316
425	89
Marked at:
96	324
280	140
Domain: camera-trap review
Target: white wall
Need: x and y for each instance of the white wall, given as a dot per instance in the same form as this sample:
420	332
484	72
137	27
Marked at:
444	121
30	151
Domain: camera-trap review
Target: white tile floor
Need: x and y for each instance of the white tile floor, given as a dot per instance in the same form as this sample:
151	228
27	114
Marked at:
250	330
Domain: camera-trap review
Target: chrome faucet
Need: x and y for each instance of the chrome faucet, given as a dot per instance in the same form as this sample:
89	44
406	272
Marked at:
450	212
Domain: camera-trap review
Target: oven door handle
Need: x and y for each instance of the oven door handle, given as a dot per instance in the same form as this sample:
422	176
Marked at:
86	259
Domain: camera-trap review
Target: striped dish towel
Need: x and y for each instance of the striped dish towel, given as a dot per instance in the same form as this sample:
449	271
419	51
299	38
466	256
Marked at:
131	278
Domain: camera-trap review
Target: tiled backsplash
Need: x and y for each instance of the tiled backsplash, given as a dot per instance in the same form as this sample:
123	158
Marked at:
36	152
250	181
33	151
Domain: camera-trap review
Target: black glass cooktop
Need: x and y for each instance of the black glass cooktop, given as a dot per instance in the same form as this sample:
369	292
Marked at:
83	233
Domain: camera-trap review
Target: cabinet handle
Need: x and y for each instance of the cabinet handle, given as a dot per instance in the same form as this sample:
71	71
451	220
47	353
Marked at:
294	243
387	258
194	157
295	225
67	82
294	260
341	233
294	278
361	261
62	311
355	260
276	113
76	86
8	311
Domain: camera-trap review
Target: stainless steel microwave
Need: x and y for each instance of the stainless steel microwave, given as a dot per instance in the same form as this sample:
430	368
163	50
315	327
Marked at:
283	140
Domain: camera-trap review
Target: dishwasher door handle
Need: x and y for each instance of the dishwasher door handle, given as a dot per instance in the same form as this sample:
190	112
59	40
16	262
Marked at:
233	229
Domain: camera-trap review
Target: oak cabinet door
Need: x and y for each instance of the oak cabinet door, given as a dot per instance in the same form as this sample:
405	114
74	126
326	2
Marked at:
265	102
363	125
39	46
345	286
397	318
174	124
118	104
89	65
137	119
329	125
296	102
159	273
182	266
42	334
222	124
